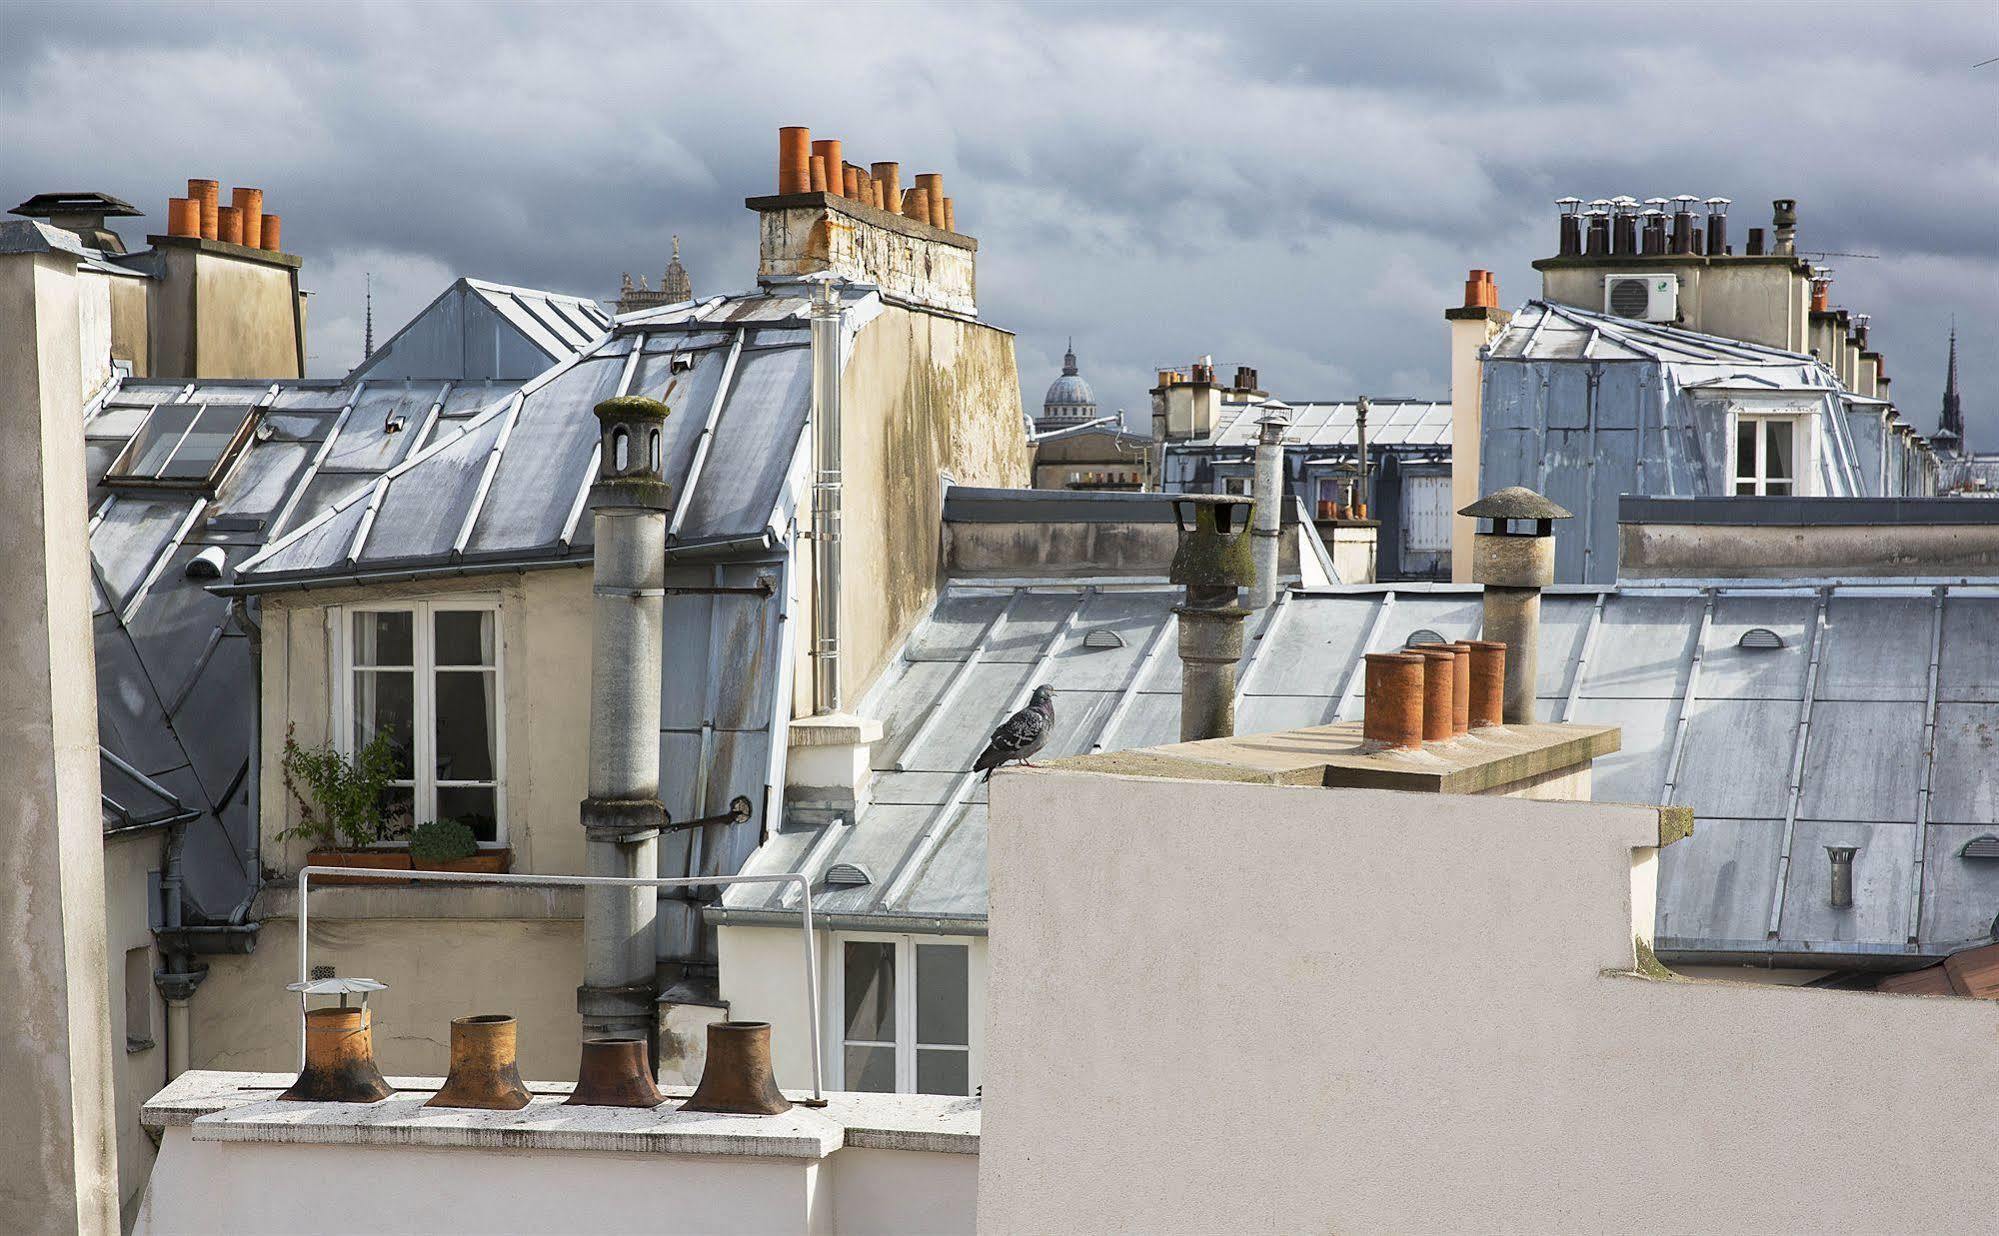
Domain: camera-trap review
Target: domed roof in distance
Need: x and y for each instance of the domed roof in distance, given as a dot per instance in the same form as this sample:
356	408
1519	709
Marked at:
1070	389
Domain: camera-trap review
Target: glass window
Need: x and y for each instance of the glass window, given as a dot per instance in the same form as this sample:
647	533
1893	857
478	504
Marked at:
183	444
429	676
905	1016
1766	455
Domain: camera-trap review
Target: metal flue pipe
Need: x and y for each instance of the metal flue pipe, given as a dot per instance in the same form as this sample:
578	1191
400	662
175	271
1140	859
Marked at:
1213	562
826	498
1268	491
622	817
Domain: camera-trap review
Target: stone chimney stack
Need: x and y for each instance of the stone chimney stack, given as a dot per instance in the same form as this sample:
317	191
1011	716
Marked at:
1514	564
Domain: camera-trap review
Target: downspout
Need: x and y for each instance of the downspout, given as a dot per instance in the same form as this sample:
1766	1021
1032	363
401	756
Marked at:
826	479
253	628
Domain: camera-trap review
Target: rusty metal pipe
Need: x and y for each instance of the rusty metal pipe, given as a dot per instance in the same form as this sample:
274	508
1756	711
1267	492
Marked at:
613	1072
1393	708
485	1068
1488	683
339	1060
737	1076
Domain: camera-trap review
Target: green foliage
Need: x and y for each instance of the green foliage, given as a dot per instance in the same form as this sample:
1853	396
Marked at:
346	796
440	841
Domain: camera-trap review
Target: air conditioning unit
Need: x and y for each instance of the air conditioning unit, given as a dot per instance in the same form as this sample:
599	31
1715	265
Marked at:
1648	298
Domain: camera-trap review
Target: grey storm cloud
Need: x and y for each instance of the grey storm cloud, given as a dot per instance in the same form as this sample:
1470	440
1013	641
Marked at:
1298	188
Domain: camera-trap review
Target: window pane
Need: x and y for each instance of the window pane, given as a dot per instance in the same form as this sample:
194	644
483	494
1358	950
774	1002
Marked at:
464	636
943	1072
871	1068
386	700
870	984
465	725
1777	462
1777	488
941	997
398	812
1745	451
156	441
383	638
1745	488
202	449
475	806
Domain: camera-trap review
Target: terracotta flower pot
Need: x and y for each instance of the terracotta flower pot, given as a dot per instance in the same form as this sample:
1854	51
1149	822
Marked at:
386	860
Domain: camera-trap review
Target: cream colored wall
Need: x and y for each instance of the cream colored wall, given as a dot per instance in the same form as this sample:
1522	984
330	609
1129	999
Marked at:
923	395
1468	336
1429	1022
1762	300
130	317
248	324
444	953
763	979
135	1075
545	665
93	327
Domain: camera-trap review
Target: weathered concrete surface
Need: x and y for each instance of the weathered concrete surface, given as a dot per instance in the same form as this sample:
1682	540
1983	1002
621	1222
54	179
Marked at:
805	234
58	1151
1440	1029
923	396
131	956
1788	551
223	311
1073	549
866	1163
1764	300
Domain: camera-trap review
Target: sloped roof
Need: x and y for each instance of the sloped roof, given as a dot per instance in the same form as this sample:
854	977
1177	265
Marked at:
1546	330
174	690
1845	698
510	485
476	329
1390	423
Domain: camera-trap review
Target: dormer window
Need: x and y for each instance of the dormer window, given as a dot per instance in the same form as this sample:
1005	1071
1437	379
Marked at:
1771	455
183	446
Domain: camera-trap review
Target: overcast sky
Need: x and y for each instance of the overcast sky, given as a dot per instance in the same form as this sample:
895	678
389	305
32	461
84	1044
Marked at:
1296	188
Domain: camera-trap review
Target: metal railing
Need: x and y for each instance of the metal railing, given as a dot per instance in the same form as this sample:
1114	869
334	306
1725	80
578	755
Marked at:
796	879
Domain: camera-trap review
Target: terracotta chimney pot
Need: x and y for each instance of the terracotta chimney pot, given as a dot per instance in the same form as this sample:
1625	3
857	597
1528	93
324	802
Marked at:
1393	707
932	185
1488	683
1439	692
889	176
850	181
794	159
183	216
950	216
209	194
817	174
916	205
229	225
829	150
273	234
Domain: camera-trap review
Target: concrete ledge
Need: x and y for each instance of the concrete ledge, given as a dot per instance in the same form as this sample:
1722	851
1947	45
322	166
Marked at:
243	1106
1485	761
270	257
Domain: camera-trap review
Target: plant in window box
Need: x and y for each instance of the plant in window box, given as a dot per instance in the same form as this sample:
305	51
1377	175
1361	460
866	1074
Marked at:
346	808
448	845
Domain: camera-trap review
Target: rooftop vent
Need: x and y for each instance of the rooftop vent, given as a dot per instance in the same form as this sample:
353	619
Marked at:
1841	857
207	564
1103	637
1758	638
1986	847
848	875
1422	635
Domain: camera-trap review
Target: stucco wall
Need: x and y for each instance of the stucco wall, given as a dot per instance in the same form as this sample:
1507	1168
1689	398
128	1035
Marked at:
923	395
216	315
135	1075
130	322
444	953
93	327
1763	300
1387	1013
545	667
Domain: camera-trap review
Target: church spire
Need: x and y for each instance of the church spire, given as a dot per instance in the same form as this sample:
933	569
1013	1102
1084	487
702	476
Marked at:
1069	358
368	331
1952	421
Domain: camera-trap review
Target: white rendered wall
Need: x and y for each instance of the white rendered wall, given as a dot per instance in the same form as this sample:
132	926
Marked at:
1428	1023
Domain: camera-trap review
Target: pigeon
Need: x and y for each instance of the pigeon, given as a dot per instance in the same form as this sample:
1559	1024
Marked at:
1020	736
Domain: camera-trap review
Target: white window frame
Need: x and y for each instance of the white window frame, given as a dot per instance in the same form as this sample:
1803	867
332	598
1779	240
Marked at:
423	797
905	1043
1804	451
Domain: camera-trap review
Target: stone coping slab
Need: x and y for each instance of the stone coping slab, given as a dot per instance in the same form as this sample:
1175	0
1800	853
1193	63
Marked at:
243	1106
1481	761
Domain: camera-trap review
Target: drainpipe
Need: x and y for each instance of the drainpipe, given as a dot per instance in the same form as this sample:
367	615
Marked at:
1269	494
253	628
1514	565
826	313
622	817
1213	561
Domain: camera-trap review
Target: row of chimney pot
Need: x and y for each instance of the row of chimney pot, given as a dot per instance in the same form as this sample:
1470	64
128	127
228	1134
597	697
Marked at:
243	222
1481	290
485	1072
1434	692
808	166
1624	227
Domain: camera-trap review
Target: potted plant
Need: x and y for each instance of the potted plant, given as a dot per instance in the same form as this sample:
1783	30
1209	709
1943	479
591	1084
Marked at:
448	845
341	806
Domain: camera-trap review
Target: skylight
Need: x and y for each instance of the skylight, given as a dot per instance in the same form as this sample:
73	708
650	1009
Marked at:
183	445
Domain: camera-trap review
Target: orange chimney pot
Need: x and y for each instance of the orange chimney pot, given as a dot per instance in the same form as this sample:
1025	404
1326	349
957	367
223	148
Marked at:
229	225
209	194
249	205
273	234
829	150
794	159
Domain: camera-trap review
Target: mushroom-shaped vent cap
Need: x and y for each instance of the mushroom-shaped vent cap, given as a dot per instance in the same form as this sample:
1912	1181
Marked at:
337	987
1514	502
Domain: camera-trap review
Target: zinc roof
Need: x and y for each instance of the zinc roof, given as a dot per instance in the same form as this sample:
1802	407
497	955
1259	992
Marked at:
1390	423
1858	715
